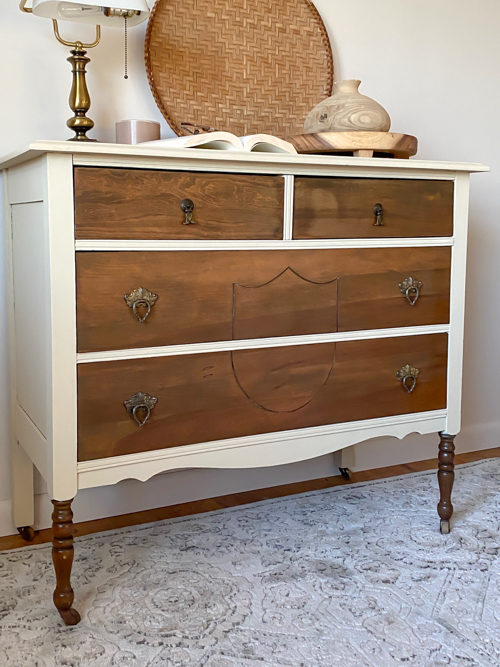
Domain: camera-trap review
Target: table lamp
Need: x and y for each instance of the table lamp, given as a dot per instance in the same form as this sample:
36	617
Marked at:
130	13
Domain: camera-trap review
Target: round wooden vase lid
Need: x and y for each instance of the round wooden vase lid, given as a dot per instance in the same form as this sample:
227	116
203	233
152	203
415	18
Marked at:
243	66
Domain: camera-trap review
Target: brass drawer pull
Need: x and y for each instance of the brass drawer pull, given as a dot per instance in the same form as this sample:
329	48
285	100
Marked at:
411	289
140	297
140	402
378	209
187	207
408	376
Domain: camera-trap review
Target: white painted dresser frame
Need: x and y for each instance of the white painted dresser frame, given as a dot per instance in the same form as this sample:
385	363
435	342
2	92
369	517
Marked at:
39	216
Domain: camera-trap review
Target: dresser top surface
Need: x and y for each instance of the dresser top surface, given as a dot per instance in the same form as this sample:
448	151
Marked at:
85	152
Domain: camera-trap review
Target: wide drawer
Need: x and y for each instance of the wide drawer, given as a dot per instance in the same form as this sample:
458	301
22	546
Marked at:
213	396
146	204
208	296
346	208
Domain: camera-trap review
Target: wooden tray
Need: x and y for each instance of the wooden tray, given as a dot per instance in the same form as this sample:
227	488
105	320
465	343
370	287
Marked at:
244	66
360	144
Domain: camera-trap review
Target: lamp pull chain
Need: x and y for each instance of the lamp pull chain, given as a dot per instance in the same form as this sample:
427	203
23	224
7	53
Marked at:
126	50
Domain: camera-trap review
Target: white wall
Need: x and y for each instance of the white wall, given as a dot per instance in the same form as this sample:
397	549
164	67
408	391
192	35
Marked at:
433	65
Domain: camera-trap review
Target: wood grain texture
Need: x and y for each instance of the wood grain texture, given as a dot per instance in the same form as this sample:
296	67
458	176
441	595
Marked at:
446	475
213	396
145	204
62	557
209	296
330	143
343	208
348	110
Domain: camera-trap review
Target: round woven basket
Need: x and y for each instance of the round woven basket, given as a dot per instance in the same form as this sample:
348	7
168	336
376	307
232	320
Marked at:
244	66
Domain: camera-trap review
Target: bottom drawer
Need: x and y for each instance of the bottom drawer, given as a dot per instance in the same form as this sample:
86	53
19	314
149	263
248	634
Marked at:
213	396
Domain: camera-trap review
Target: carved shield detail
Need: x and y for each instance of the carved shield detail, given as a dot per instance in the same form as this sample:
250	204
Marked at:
284	379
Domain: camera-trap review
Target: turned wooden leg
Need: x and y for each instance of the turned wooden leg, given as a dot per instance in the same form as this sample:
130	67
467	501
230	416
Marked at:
62	557
446	476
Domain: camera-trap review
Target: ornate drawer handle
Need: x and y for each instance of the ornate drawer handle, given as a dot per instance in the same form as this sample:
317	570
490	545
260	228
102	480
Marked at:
187	207
411	289
378	209
408	376
140	297
140	402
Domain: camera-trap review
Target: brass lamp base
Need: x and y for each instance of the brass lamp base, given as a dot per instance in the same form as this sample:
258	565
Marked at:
79	98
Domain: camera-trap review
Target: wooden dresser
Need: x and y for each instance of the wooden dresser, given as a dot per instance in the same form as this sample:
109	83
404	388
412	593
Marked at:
176	309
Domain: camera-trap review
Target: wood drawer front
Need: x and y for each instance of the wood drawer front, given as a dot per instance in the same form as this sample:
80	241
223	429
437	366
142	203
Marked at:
209	296
145	204
343	208
205	397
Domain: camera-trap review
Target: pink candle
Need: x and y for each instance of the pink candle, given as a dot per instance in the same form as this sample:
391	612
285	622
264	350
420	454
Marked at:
137	131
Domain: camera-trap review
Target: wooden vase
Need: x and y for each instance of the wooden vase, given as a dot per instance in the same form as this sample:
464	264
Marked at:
347	111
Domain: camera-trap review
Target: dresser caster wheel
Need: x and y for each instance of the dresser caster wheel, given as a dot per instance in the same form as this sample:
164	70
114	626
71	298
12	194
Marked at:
444	527
27	533
346	473
70	616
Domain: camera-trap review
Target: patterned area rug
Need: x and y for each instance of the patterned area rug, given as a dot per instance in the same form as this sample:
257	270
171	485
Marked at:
354	576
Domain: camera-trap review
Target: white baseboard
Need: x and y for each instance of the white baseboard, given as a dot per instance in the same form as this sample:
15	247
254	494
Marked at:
170	489
390	451
189	485
6	525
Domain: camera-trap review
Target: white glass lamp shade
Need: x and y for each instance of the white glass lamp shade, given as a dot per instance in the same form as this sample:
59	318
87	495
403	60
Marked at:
91	11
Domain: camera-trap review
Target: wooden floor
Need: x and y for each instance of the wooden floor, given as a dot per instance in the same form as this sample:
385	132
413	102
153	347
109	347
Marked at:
185	509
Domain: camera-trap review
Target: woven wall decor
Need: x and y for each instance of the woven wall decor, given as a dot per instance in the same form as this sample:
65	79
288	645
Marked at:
244	66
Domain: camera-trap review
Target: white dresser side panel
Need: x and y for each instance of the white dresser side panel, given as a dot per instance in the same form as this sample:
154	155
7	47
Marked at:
457	304
61	377
31	294
26	182
32	441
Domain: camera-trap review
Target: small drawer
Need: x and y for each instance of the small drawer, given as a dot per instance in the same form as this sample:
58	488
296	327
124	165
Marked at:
202	296
146	204
371	208
148	404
